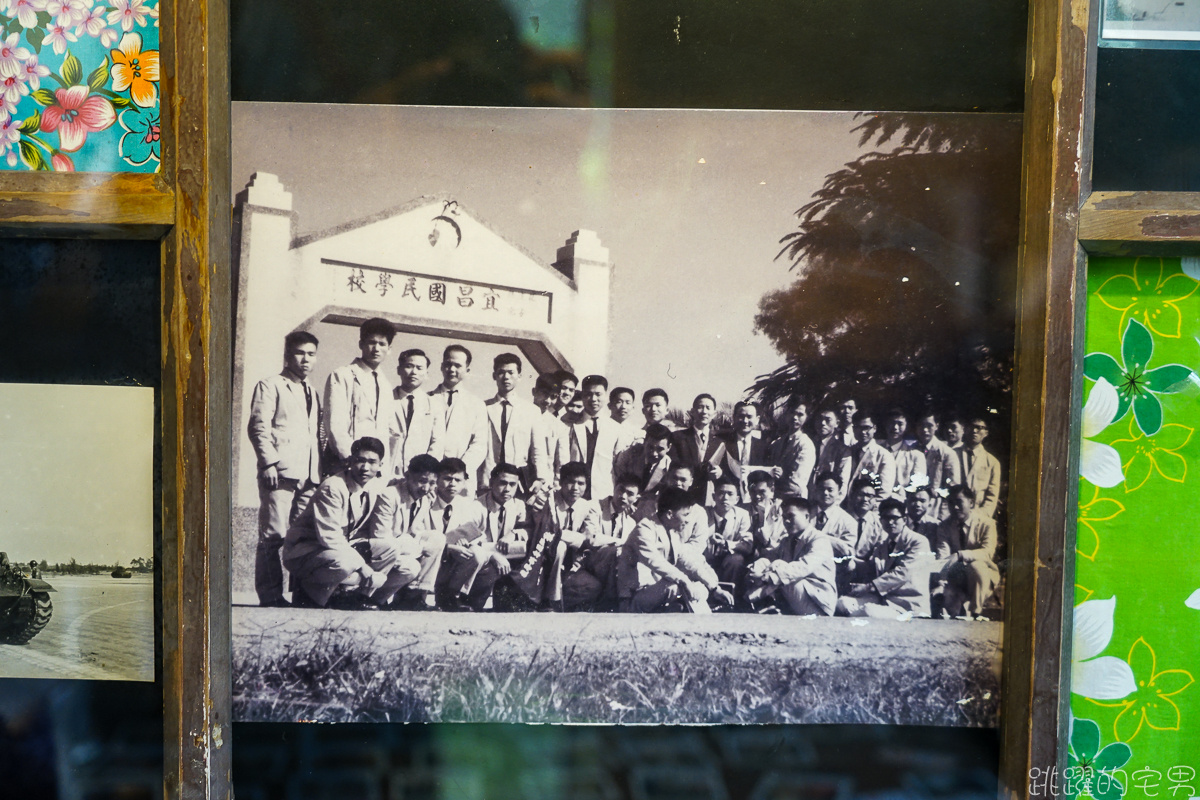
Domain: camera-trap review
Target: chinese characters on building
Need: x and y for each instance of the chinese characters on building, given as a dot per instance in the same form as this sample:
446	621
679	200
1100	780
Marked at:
415	294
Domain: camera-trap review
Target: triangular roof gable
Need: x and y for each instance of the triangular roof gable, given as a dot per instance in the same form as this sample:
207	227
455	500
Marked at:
433	202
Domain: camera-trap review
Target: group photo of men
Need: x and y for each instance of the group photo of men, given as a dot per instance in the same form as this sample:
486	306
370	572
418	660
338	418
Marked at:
388	488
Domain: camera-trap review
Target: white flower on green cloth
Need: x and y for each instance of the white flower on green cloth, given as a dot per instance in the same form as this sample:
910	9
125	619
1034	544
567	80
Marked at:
1100	464
1092	675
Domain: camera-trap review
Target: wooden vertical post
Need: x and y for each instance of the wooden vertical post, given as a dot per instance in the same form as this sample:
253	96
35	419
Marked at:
196	359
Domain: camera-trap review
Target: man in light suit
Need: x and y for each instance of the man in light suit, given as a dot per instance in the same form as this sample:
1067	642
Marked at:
656	571
618	513
285	416
551	431
730	540
828	516
418	425
980	469
893	578
745	449
404	514
327	549
941	464
358	397
911	469
514	430
698	446
597	440
801	572
966	555
465	414
793	454
832	453
869	459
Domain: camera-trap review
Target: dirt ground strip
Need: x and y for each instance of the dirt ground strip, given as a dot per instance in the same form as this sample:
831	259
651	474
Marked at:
743	636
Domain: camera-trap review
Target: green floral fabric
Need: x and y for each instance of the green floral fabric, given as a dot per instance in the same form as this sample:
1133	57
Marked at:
1135	649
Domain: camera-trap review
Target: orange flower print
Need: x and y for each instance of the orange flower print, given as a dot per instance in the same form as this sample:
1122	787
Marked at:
135	70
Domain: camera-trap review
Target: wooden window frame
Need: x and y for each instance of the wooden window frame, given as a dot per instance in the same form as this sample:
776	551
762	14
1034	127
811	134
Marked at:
187	207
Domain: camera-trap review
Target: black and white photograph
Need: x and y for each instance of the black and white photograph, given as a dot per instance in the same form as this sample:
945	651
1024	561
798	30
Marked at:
621	416
1161	23
77	542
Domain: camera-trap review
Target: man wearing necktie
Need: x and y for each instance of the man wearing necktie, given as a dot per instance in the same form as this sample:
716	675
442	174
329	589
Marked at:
745	449
658	573
464	522
405	515
731	541
941	463
513	428
698	447
980	469
650	462
506	535
358	397
830	518
466	420
893	578
870	459
801	573
285	419
853	546
417	425
330	547
966	552
832	453
596	440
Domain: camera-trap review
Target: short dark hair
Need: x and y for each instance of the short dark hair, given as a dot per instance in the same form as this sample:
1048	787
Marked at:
926	489
422	464
506	358
612	396
829	475
545	384
726	480
572	470
678	465
628	479
864	483
895	412
739	405
760	476
962	490
658	432
413	353
451	466
377	326
367	444
891	504
297	338
456	347
795	501
594	380
565	376
652	393
672	499
504	468
704	396
860	415
928	413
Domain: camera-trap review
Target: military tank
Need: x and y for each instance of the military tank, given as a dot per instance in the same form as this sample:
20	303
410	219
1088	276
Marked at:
25	606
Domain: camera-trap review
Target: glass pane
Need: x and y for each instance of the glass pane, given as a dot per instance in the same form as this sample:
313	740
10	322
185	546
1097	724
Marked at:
76	312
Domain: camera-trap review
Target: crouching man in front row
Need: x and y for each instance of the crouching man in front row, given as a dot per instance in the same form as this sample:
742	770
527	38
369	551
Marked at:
892	578
800	569
327	549
656	570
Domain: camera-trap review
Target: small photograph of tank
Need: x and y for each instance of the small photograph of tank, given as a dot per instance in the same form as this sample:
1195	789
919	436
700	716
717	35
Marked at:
77	567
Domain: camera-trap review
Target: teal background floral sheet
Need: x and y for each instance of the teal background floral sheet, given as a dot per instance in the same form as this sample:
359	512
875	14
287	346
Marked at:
79	85
1135	726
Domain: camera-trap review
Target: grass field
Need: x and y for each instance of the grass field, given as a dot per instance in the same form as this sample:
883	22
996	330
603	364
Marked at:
393	666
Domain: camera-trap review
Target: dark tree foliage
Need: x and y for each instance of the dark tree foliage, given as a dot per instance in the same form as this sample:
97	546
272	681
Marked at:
905	264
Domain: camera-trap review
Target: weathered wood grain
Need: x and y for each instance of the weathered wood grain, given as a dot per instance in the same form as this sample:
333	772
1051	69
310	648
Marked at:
1043	486
118	206
196	358
1141	223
